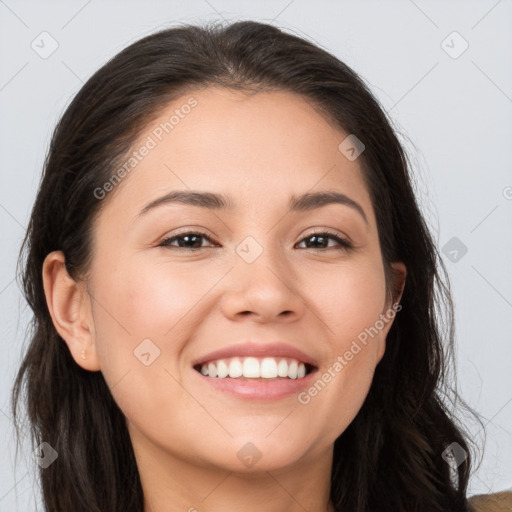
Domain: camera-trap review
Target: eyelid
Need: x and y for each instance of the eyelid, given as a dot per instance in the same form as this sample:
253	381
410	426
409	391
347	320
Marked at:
189	230
326	231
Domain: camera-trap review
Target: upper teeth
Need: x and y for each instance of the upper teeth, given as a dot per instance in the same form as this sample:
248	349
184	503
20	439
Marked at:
252	367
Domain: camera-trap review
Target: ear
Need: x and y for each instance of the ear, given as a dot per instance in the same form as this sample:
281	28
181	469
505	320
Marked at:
392	306
399	275
70	309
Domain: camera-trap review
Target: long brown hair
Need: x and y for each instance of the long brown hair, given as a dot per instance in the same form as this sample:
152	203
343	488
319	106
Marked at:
392	456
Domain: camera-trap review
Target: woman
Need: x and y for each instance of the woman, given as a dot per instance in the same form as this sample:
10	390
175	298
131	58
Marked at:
235	292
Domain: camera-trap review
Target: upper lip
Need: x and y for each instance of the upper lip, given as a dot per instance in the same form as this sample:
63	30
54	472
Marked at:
258	350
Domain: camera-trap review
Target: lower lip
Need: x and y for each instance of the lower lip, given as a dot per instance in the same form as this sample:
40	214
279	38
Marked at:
263	389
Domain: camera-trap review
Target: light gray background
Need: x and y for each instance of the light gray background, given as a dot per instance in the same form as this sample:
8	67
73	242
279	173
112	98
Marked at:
456	114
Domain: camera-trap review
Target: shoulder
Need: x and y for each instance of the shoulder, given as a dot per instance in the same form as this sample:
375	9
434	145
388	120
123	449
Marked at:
496	502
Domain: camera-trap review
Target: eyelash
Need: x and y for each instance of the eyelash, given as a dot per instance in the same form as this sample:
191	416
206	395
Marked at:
343	245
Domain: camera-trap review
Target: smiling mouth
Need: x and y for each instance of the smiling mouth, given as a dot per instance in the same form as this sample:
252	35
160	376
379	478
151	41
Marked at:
254	368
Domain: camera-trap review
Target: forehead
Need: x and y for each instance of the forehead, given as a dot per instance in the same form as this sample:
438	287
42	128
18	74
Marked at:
260	149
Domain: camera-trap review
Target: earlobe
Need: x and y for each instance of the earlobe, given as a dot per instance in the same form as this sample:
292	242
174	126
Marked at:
69	307
381	350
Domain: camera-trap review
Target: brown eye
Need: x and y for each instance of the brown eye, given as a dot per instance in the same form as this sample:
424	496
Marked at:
322	238
191	241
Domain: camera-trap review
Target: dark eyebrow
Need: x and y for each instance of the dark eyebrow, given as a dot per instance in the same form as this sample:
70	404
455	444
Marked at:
305	202
202	199
310	201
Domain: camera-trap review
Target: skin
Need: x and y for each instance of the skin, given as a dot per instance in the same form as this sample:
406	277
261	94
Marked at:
259	149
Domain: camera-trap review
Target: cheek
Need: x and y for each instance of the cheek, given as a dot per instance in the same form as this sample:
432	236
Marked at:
150	299
139	301
348	298
135	311
349	302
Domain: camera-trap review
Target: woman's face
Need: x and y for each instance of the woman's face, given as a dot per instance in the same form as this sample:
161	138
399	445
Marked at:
259	280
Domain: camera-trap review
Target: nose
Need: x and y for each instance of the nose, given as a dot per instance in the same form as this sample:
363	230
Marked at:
265	290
